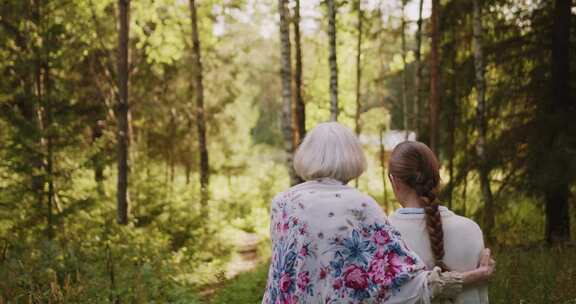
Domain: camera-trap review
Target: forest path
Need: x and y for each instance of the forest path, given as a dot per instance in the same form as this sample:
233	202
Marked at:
246	259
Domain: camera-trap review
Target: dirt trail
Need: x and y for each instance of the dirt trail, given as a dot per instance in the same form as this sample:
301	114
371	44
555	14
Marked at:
246	259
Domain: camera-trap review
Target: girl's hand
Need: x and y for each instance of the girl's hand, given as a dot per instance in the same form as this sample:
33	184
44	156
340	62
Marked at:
487	265
483	273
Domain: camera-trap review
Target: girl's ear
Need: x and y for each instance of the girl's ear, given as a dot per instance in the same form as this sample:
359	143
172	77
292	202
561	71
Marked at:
392	182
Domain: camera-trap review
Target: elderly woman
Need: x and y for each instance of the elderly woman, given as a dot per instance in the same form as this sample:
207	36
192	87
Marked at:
333	244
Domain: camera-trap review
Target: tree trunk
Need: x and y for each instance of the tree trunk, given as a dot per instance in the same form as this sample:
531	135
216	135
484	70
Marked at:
418	68
113	296
453	122
187	169
405	114
286	73
97	159
557	214
383	168
49	144
557	192
200	117
434	79
300	112
334	110
123	108
172	130
452	139
29	105
483	168
44	114
464	197
357	126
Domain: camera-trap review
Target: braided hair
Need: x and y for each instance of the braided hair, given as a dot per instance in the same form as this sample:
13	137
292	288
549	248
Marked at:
415	165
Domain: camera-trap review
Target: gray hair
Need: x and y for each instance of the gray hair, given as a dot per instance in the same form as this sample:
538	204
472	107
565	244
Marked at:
330	150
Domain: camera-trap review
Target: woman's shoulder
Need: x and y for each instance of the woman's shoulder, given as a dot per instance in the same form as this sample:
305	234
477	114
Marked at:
464	225
279	196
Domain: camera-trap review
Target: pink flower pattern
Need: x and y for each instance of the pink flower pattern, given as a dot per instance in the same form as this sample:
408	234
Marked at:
366	261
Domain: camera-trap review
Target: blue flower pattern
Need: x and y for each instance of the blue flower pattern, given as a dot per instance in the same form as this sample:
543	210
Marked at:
364	263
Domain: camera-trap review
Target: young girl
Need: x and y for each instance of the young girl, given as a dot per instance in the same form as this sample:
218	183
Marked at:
439	237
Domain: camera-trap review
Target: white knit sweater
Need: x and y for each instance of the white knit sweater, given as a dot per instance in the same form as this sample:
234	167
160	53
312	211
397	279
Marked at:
463	243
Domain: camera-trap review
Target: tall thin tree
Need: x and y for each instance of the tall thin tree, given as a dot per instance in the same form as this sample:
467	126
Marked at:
453	117
358	8
286	74
405	114
481	120
382	156
199	111
434	101
418	69
359	23
300	107
123	108
332	59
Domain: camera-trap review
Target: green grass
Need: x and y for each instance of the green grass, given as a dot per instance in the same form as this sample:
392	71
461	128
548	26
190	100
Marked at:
537	275
247	288
523	276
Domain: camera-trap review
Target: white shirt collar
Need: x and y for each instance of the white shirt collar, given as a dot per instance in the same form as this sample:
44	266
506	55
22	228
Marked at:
403	212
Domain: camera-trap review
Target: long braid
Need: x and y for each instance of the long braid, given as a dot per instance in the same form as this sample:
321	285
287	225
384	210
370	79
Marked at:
435	230
416	165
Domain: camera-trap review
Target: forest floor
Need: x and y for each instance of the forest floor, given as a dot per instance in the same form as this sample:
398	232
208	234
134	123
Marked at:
525	275
246	260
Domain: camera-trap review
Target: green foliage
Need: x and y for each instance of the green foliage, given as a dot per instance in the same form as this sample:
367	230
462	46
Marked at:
247	288
93	265
524	275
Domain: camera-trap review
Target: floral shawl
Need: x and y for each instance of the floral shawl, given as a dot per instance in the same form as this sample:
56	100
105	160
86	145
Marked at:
333	244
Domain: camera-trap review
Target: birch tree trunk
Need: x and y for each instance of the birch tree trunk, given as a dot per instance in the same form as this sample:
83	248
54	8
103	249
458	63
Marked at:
123	108
199	113
286	74
332	60
418	69
434	79
482	123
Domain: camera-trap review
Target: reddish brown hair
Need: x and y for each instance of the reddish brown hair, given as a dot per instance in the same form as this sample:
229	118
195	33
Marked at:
415	165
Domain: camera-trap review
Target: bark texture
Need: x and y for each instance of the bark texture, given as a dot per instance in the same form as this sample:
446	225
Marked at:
286	74
434	102
300	112
418	69
332	60
123	133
